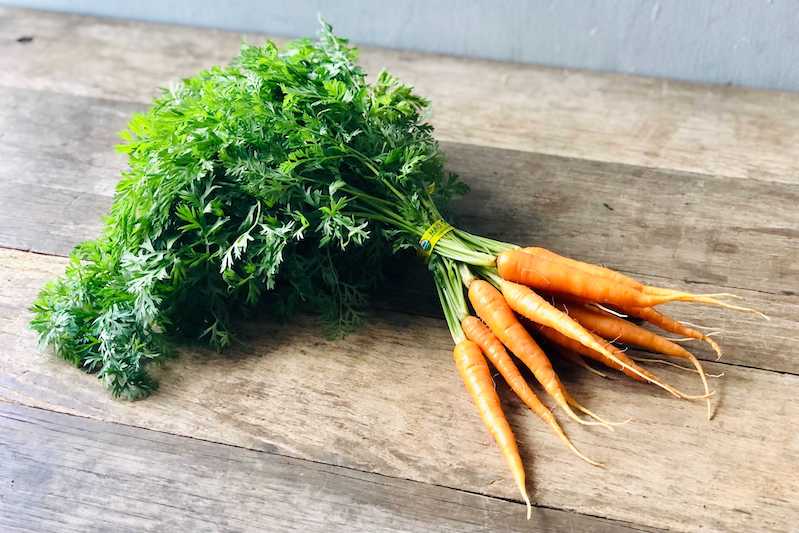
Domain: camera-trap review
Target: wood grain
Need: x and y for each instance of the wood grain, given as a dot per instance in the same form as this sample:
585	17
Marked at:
58	174
559	152
291	392
625	119
63	473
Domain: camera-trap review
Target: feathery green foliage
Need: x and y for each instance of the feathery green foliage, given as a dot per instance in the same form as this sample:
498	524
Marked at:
284	179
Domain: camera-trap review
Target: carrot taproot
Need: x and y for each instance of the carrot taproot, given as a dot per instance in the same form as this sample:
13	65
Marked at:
477	332
551	275
667	323
596	270
476	376
611	327
491	307
527	303
607	273
644	313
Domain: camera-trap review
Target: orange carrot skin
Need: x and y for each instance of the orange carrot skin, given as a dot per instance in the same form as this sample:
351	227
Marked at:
663	322
612	327
492	347
476	376
560	339
667	323
552	276
588	268
599	271
492	308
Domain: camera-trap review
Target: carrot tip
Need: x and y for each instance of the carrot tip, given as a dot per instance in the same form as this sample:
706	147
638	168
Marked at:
529	505
713	344
678	339
600	421
725	305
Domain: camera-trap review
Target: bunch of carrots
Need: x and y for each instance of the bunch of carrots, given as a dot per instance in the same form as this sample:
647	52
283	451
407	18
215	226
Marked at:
579	308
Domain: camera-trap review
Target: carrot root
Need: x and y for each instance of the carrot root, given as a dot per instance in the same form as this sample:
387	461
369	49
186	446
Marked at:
713	344
574	416
709	299
577	452
610	311
697	369
595	416
476	376
527	503
477	332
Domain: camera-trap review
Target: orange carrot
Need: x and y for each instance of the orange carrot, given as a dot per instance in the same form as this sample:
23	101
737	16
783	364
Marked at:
611	327
475	374
477	332
600	271
530	305
552	275
588	268
667	323
490	306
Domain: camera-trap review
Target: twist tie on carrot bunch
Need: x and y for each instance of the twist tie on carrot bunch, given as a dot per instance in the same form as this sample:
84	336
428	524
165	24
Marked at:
431	236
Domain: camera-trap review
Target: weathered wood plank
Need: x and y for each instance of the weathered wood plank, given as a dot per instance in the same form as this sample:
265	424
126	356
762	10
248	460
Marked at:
387	400
709	233
625	119
63	473
58	167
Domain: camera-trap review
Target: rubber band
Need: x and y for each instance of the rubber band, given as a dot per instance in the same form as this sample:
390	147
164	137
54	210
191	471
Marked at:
432	235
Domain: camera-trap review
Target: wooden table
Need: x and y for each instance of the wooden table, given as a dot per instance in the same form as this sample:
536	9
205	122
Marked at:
685	185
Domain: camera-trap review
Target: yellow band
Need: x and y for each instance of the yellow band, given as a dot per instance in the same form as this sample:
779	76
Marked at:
432	235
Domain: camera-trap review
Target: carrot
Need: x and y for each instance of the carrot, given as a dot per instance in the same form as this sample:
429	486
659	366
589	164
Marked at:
477	332
588	268
475	374
530	305
611	327
553	275
667	323
604	272
491	307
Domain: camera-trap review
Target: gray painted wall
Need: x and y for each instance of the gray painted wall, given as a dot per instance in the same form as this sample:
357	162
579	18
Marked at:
744	42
